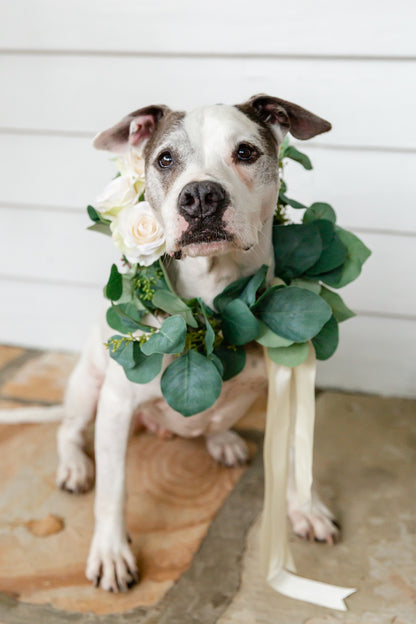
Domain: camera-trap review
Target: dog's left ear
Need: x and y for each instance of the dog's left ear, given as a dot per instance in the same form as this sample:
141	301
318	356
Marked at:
134	129
301	123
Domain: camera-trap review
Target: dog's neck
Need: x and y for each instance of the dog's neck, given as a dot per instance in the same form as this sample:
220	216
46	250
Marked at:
206	277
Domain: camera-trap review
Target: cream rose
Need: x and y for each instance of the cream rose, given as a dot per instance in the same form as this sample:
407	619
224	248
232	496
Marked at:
131	164
138	234
116	195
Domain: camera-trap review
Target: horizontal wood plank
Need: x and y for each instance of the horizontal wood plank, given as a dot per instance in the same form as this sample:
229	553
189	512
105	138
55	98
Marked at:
355	97
48	316
373	28
375	355
367	189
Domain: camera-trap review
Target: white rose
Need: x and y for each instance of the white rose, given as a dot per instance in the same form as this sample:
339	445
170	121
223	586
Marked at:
138	234
116	195
131	164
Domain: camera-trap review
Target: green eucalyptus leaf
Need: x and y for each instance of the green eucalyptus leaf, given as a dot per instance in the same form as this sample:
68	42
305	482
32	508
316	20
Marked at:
114	287
191	383
340	311
293	313
172	304
93	214
326	341
333	255
209	338
231	292
102	228
126	353
357	254
239	325
126	318
284	199
219	365
294	154
309	284
296	249
319	210
267	338
233	359
170	338
290	356
147	367
248	295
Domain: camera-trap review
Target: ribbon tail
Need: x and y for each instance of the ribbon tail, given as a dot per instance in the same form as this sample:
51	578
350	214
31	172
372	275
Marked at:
315	592
290	409
304	425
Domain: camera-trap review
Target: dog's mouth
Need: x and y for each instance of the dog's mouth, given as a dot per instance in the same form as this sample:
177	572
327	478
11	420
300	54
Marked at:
204	242
205	236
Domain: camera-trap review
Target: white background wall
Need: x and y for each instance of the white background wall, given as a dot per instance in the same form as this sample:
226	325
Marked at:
69	69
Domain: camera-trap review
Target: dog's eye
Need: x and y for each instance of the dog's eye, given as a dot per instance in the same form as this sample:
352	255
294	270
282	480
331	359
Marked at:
165	160
246	153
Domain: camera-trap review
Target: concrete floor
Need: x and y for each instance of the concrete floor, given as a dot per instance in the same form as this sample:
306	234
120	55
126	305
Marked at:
364	467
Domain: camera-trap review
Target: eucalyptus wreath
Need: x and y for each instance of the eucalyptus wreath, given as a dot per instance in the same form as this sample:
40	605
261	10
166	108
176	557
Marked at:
207	344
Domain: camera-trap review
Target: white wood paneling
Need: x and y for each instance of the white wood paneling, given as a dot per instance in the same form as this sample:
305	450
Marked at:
322	27
48	316
374	355
58	246
367	189
52	171
355	96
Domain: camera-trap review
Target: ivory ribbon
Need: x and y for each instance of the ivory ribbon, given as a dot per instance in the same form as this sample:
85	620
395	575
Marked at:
290	410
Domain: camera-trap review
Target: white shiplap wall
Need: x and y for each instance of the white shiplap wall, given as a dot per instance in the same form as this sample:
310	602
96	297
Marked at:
69	69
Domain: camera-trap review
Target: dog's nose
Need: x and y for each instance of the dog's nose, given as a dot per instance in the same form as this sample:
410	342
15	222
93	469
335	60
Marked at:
199	200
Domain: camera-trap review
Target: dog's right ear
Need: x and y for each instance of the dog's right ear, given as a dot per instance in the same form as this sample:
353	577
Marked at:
134	129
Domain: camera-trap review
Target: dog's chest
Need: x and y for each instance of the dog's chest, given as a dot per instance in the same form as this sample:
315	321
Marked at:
236	397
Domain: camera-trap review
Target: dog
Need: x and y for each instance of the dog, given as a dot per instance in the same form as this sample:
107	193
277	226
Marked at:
212	178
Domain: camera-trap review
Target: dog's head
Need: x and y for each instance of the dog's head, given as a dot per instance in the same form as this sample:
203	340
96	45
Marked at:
212	174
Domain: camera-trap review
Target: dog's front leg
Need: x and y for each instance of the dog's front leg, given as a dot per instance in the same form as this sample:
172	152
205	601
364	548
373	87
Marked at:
111	564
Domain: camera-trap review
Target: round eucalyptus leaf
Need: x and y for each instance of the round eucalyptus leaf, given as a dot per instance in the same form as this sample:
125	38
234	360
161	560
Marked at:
146	367
124	353
233	360
239	325
125	318
290	356
294	313
319	210
326	341
267	338
357	254
332	256
170	338
296	249
172	304
219	365
191	383
114	287
340	311
231	292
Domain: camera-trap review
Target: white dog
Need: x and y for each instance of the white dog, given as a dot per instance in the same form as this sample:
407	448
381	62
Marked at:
212	177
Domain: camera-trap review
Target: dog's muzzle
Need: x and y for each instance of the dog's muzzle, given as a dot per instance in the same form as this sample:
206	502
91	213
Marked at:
202	204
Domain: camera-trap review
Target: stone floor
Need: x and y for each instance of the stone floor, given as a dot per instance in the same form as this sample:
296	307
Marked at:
365	452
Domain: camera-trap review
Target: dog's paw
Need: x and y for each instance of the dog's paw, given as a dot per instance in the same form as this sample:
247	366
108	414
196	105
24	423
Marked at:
75	473
227	448
316	524
111	567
